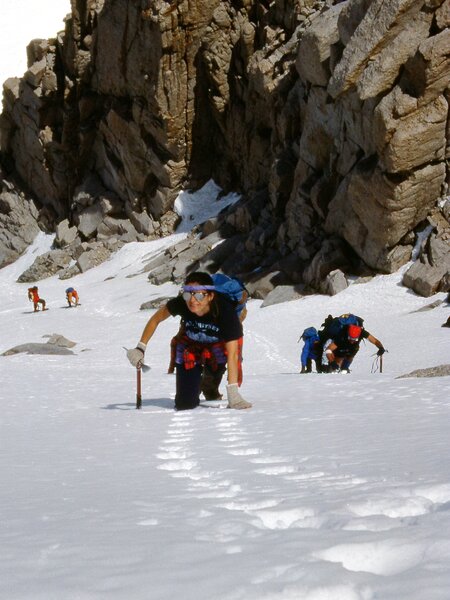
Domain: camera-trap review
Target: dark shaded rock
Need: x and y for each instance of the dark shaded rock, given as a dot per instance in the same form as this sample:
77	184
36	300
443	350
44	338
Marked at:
18	223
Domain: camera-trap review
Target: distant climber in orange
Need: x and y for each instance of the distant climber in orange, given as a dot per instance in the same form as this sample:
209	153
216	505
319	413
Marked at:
33	296
72	296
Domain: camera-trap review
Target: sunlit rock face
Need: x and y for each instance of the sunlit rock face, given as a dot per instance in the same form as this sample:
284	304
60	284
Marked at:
331	118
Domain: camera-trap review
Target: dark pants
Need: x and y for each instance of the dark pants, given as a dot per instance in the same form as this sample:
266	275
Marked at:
344	356
211	382
189	384
308	368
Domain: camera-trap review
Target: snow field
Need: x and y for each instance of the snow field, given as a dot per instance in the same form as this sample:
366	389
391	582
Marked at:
330	488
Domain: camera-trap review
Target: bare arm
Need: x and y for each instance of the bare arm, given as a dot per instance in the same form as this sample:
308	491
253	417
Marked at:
232	361
374	341
244	299
329	352
160	315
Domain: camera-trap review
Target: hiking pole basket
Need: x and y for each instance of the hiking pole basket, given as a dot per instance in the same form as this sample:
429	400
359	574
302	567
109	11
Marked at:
138	387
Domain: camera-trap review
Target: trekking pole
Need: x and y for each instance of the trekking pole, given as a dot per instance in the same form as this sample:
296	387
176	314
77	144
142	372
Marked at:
138	387
381	363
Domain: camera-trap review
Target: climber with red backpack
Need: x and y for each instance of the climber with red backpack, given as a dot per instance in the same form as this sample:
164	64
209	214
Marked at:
344	335
33	296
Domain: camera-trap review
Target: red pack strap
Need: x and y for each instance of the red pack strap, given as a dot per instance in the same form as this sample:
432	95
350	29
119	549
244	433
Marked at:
192	353
195	353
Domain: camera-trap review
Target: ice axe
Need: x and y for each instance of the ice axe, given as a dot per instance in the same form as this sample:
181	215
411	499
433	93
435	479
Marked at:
138	387
378	362
139	368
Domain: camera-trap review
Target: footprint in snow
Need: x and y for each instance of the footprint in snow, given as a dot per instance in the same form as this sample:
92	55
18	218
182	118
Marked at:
404	502
302	518
277	470
249	506
179	465
172	454
244	451
387	557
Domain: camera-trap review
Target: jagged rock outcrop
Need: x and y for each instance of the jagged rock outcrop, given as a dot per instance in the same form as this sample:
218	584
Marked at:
330	117
430	273
45	265
383	138
179	259
18	222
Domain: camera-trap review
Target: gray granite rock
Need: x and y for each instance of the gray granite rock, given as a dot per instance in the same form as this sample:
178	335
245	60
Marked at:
36	348
282	293
439	371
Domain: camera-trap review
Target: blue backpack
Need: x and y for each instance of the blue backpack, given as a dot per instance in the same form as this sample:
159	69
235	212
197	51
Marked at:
232	288
310	332
337	325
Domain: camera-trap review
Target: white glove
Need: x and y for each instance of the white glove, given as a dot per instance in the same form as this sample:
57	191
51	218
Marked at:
136	355
235	400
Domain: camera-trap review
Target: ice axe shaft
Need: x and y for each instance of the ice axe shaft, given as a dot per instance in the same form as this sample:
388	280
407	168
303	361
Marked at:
138	388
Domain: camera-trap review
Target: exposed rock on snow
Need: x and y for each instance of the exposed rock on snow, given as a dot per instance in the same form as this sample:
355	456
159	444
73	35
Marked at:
59	340
282	293
439	371
56	344
36	348
156	303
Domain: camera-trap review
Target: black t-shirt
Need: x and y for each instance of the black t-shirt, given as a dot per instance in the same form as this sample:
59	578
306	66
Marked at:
206	329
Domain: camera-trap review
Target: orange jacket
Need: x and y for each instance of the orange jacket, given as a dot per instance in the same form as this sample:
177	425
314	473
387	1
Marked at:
33	295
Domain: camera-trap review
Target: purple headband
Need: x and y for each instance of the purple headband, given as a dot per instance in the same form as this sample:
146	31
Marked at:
198	288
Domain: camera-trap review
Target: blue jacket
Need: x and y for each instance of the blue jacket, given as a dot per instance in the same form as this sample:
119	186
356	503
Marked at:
310	350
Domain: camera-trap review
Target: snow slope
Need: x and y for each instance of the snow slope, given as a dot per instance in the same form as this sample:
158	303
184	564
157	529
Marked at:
329	488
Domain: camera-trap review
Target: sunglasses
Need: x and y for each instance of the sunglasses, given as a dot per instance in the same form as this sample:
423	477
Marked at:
199	296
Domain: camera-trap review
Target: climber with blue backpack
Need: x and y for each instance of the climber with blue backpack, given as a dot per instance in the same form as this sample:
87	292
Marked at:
311	351
343	337
72	297
233	290
209	338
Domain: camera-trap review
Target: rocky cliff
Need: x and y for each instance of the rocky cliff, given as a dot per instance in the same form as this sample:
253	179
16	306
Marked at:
331	118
